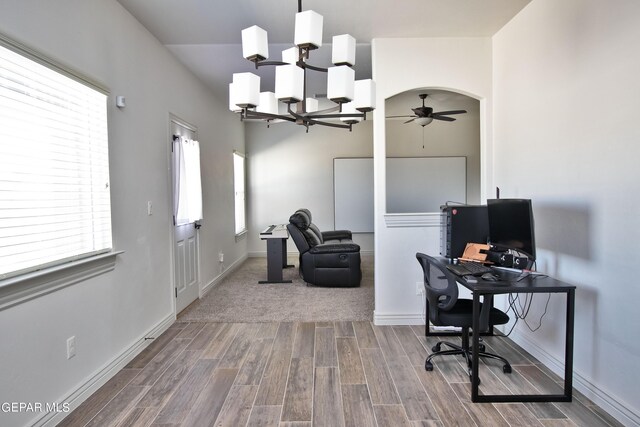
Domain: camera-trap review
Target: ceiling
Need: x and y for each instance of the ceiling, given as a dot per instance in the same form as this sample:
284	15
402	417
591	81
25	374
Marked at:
205	34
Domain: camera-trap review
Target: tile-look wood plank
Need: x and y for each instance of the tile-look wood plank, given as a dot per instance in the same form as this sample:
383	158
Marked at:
98	400
120	405
156	367
325	351
205	336
255	362
219	345
141	360
191	330
391	416
274	379
296	424
237	407
162	389
545	410
181	401
303	345
344	329
265	416
357	407
298	398
481	413
324	324
327	399
351	371
416	403
209	404
388	342
426	423
498	345
381	386
411	344
558	423
517	415
139	417
581	414
267	330
365	335
235	354
443	397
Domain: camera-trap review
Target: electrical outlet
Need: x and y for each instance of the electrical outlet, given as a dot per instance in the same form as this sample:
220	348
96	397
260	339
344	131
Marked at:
71	347
221	257
149	208
419	288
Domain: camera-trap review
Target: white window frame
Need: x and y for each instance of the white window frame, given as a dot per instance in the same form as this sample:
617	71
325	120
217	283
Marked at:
242	195
19	286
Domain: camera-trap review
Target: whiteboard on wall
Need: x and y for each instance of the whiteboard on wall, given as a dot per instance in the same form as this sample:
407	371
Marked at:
414	185
353	194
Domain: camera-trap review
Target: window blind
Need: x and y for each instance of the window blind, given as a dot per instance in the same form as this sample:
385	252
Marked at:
54	167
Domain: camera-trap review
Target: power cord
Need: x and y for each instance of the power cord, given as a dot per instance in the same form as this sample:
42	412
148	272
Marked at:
521	310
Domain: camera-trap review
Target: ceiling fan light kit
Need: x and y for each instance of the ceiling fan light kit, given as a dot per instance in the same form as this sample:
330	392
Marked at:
353	98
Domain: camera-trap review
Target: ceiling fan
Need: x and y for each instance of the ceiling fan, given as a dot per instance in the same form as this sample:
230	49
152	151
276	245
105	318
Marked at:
425	115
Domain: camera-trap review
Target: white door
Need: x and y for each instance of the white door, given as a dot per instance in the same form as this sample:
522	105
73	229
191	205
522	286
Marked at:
186	249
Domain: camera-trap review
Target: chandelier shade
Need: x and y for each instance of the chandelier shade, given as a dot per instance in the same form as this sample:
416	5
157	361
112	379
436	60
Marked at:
289	83
268	103
343	50
423	121
352	99
254	44
340	84
365	95
246	89
308	30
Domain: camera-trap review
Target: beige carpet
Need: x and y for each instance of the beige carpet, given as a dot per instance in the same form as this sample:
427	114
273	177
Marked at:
240	298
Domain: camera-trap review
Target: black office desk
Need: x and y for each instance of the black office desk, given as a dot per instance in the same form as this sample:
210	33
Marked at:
531	285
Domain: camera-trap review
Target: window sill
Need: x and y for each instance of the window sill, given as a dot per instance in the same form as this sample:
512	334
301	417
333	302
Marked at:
241	235
20	289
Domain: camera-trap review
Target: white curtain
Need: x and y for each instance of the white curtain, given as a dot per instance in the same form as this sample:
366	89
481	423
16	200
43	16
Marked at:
188	186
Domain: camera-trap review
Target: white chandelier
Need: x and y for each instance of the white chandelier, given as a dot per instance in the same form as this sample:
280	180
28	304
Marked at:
353	98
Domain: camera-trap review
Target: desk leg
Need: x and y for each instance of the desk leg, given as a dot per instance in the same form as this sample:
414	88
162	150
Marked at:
475	343
284	255
568	349
275	261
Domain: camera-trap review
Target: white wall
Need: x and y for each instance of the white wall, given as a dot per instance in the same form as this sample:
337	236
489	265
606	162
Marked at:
566	92
288	169
111	313
458	64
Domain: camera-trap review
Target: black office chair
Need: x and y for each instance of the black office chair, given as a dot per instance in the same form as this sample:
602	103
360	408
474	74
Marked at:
446	309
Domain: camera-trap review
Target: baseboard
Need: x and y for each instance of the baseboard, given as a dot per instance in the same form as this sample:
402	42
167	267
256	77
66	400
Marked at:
397	319
100	377
625	415
213	283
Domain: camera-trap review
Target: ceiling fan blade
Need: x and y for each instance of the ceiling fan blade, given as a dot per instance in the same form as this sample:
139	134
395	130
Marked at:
408	121
449	113
444	118
396	117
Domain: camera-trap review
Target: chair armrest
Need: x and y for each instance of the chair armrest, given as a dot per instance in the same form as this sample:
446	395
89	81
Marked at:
336	235
335	248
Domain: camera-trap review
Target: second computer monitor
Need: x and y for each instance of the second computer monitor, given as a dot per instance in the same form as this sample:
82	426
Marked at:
511	225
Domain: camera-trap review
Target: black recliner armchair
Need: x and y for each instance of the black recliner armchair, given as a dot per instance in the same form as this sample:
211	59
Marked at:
327	258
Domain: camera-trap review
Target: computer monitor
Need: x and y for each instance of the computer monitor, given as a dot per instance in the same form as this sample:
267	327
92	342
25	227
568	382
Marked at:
511	225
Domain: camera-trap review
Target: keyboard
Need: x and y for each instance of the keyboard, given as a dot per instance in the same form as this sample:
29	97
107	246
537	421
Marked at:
469	268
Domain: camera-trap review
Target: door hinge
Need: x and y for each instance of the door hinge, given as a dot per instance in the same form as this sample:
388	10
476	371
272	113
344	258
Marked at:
176	289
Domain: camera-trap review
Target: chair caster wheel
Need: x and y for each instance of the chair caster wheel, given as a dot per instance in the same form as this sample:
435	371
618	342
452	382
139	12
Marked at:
428	366
436	348
482	348
506	369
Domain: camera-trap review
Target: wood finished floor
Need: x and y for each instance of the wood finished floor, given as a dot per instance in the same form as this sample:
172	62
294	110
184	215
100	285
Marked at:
319	374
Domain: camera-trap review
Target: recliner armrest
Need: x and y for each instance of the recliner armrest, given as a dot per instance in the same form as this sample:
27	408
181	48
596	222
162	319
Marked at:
335	248
337	235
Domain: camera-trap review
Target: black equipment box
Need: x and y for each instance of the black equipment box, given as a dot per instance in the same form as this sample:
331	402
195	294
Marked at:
461	225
